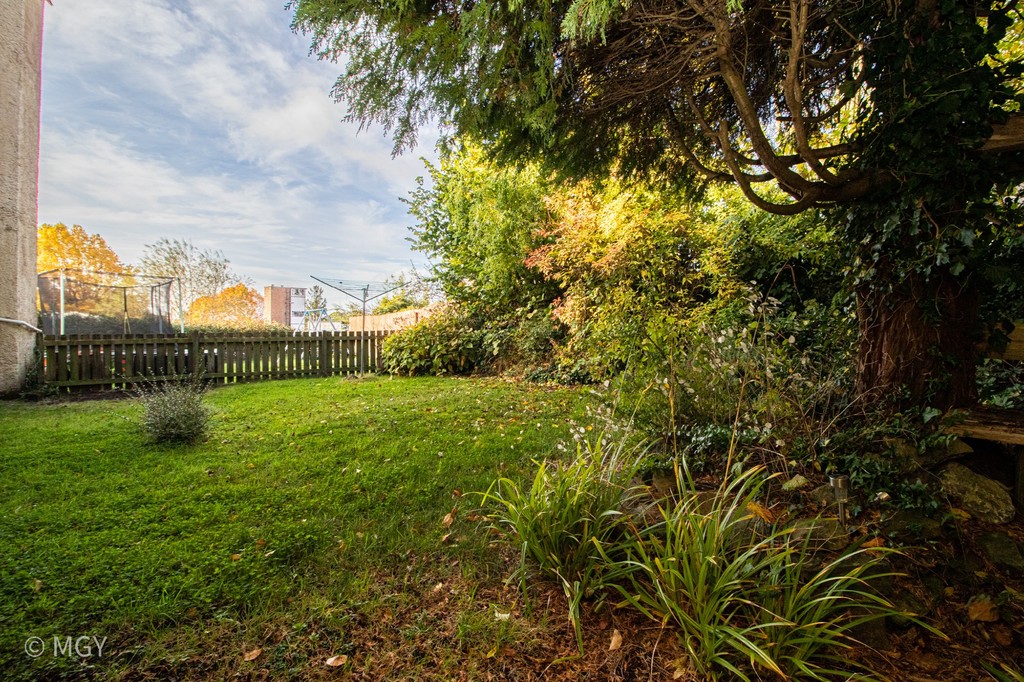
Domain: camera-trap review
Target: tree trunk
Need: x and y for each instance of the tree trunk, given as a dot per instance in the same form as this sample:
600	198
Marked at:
917	344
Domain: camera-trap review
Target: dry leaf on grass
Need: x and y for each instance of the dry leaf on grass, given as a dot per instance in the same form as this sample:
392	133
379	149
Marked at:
236	557
253	655
449	518
337	661
616	640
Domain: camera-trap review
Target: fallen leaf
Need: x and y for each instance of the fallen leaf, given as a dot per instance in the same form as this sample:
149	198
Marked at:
874	542
337	661
449	518
761	512
960	514
795	483
1002	635
456	493
616	640
982	609
253	655
261	542
498	615
445	538
236	557
476	517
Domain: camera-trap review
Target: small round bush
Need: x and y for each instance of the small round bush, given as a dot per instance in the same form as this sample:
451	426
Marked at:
448	342
174	411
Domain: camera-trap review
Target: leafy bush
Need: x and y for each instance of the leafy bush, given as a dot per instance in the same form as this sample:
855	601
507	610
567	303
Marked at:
743	594
447	342
773	379
568	513
456	340
1001	383
254	326
174	411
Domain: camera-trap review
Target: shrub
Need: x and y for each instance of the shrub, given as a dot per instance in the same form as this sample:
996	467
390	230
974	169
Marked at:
447	342
777	380
1001	383
252	326
568	513
173	411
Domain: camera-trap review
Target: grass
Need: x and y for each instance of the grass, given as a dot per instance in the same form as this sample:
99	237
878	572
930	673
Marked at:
307	525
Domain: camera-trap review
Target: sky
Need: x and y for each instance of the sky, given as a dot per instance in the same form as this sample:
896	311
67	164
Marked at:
209	121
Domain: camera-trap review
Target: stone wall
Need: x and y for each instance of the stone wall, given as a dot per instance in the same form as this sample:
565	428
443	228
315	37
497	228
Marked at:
21	33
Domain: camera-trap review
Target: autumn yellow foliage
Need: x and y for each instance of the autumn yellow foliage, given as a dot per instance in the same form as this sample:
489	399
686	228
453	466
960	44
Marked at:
237	305
72	248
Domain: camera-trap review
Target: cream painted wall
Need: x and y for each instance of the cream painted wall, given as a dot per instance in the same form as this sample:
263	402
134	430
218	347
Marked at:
21	34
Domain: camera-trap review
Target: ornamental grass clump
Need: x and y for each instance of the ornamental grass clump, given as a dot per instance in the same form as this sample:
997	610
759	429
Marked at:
570	511
174	411
748	599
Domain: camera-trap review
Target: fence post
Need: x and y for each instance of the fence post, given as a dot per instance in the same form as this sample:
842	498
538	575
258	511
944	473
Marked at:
323	358
194	353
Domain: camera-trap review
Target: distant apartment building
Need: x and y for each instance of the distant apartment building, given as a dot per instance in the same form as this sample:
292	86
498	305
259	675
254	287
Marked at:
284	305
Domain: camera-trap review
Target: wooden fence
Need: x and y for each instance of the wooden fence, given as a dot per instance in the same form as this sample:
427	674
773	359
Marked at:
120	360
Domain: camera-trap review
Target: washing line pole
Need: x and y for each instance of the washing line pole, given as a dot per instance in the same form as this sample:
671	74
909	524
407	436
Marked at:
362	335
181	306
365	291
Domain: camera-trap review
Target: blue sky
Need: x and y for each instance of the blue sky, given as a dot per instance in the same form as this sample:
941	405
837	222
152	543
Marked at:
208	121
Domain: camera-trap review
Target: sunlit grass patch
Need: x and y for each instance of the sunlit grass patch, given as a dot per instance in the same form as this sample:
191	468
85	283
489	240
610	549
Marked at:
311	511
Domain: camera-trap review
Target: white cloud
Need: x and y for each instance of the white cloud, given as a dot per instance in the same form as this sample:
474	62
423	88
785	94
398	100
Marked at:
203	120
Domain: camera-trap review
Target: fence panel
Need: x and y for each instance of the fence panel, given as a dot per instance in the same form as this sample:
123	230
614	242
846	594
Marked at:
80	360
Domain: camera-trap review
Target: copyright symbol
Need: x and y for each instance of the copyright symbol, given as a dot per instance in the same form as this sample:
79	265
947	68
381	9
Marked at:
34	647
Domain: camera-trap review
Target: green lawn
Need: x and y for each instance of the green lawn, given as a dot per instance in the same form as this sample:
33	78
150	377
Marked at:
308	525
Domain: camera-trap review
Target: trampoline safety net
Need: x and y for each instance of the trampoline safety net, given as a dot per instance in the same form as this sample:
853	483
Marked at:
78	302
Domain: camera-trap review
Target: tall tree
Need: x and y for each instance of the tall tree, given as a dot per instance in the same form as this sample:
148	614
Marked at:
479	221
72	248
201	272
89	268
880	111
315	301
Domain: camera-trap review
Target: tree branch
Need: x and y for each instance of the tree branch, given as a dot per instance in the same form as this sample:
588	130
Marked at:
791	88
